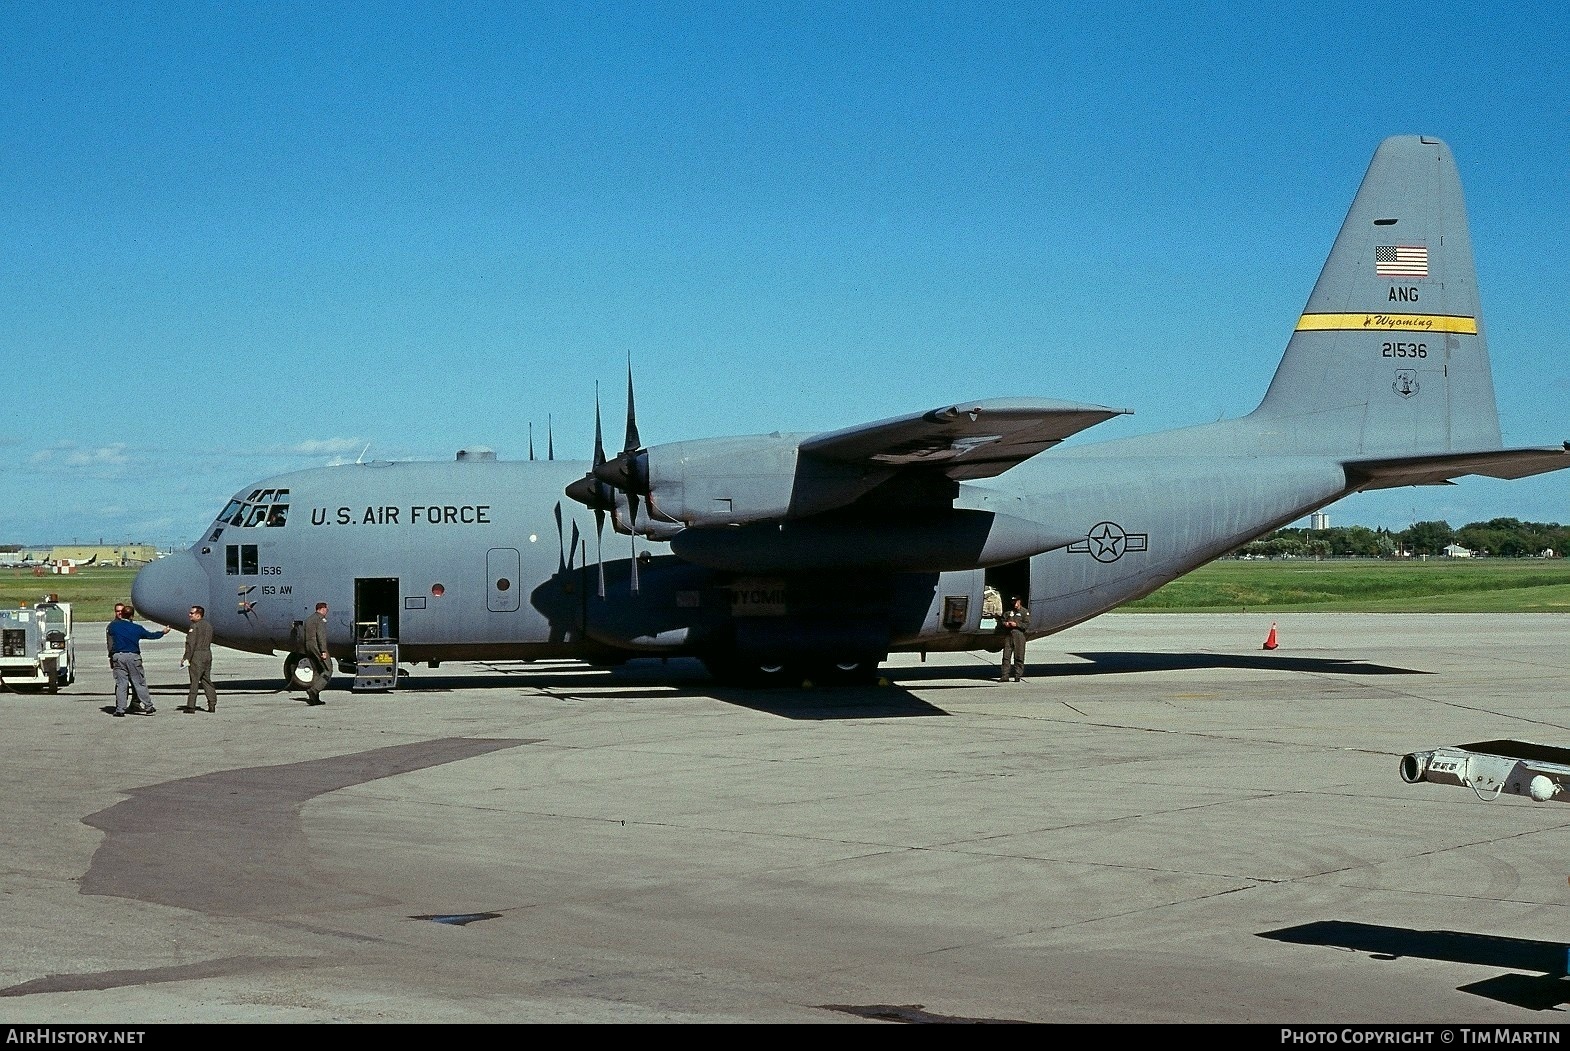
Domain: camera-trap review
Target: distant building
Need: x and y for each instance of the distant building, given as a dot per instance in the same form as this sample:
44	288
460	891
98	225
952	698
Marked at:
1319	520
106	554
1457	551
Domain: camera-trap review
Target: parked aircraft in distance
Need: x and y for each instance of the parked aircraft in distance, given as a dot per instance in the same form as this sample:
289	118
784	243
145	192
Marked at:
11	561
780	557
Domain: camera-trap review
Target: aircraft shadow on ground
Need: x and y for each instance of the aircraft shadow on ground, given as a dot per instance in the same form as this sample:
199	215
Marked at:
1125	662
1105	663
685	677
1543	991
637	680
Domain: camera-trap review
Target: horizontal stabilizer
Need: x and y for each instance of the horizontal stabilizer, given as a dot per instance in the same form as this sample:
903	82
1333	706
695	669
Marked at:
1441	468
976	439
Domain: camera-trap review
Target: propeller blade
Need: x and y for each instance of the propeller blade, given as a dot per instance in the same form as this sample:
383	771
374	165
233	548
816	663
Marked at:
531	439
599	512
599	442
633	443
561	552
633	564
632	523
599	546
550	438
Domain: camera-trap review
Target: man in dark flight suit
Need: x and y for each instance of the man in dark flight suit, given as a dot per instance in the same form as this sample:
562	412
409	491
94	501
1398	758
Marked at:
315	644
1012	625
199	660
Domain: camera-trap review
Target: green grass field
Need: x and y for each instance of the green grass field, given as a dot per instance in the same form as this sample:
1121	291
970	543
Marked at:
92	592
1493	585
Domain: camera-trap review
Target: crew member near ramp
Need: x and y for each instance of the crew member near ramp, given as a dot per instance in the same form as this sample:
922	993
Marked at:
125	659
1012	627
199	660
316	652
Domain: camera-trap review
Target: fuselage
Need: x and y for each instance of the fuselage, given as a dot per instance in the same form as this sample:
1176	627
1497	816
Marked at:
488	560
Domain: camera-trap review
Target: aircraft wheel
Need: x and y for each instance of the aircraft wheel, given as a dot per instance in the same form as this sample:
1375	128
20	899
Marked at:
300	673
847	671
734	670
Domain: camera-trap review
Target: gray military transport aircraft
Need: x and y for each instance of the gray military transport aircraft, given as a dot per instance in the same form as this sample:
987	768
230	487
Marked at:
779	557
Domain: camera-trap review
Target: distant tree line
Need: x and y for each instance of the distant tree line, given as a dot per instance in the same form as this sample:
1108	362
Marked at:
1498	537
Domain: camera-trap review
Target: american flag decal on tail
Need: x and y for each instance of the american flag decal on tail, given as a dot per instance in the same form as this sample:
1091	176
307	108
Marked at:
1401	261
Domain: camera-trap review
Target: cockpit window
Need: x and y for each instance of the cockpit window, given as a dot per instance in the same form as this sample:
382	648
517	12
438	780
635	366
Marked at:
264	507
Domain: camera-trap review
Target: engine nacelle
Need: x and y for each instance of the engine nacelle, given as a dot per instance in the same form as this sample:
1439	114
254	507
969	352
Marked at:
754	478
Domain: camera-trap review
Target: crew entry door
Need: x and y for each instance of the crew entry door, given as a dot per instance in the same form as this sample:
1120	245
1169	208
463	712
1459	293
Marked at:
1012	580
375	608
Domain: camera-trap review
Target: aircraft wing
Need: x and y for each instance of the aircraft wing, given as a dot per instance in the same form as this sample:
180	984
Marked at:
975	439
1439	469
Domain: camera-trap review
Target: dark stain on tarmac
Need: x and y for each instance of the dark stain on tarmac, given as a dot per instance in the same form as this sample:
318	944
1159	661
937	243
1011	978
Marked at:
231	842
912	1014
460	919
99	980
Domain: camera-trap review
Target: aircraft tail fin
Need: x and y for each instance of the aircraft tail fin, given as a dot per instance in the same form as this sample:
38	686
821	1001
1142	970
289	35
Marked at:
1389	358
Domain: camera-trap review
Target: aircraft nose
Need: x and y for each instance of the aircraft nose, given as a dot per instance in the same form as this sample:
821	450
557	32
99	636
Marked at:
166	588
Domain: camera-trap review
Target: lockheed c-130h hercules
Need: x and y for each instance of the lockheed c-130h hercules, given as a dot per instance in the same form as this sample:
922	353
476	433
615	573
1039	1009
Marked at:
790	556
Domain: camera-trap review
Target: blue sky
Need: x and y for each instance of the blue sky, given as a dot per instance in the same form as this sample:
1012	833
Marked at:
243	239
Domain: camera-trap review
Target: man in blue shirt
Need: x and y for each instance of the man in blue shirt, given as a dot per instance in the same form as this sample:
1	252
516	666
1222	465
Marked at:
125	658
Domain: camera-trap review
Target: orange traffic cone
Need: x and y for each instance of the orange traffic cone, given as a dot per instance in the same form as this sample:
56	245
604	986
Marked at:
1270	640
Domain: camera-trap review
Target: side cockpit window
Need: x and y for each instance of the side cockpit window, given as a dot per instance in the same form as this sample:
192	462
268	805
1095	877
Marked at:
261	508
241	560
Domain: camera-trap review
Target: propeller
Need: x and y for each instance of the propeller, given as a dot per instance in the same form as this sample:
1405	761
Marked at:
626	473
629	470
595	493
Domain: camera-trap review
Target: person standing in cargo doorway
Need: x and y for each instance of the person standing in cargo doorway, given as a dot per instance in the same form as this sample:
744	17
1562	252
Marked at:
1012	626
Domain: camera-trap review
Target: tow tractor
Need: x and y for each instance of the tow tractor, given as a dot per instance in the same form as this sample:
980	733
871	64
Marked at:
36	648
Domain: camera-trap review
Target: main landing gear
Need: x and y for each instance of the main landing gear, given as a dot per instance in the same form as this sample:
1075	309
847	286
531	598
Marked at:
755	672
